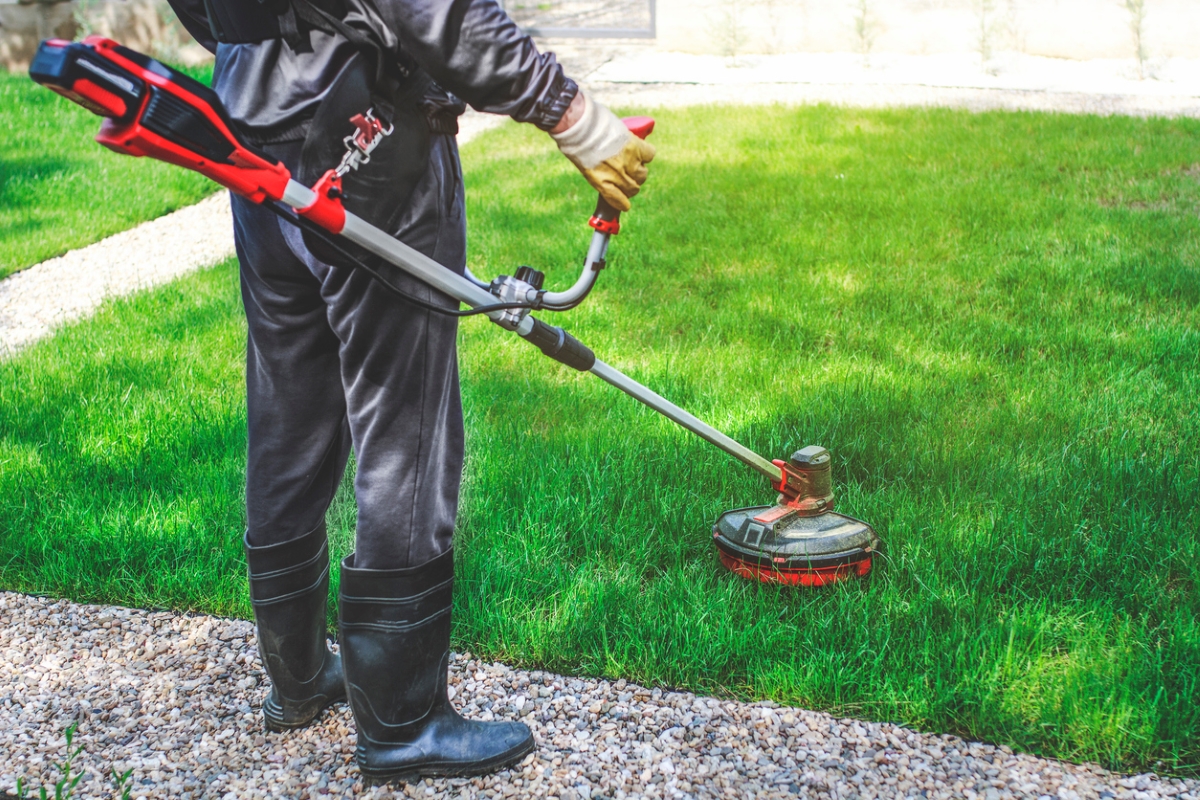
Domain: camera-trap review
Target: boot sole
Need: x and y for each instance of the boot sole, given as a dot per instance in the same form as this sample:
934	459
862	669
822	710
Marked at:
448	770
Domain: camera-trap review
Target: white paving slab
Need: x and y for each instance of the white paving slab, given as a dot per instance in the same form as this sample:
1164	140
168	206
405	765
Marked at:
1178	77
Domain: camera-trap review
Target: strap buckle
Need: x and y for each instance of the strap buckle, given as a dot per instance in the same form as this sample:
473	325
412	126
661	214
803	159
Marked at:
359	145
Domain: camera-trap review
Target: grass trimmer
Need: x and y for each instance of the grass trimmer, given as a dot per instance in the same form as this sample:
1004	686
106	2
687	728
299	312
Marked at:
152	110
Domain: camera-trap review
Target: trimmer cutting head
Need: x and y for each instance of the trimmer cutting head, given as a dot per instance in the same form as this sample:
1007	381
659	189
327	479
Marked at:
799	541
774	544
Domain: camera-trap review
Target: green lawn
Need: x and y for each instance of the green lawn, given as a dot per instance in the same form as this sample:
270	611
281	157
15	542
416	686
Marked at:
990	319
60	190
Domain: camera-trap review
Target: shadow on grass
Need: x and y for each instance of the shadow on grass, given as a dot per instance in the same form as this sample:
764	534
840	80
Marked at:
25	174
995	611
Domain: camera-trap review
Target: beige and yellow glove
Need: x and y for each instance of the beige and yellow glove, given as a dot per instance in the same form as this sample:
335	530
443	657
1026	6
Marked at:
611	158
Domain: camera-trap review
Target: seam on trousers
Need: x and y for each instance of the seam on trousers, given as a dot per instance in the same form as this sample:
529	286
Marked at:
343	430
412	515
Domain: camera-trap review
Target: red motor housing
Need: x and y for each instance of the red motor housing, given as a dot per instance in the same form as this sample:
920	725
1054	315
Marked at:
153	110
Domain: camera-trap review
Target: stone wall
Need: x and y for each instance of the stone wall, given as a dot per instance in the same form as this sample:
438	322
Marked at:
1078	29
145	25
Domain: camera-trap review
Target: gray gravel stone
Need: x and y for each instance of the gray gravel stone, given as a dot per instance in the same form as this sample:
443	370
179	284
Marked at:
176	697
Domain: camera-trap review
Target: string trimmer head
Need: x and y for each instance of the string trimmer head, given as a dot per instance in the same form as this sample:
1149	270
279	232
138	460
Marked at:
800	540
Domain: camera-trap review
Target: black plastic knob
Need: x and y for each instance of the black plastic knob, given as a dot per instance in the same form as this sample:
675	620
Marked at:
531	276
812	457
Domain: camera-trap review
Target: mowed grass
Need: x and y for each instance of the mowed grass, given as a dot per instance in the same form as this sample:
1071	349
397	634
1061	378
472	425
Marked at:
60	190
991	320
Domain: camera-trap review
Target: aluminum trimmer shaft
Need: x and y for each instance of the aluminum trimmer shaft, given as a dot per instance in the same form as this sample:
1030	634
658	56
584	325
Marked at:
571	352
151	110
677	415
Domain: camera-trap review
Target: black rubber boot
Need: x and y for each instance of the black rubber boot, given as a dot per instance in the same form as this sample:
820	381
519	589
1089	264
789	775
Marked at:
289	588
395	639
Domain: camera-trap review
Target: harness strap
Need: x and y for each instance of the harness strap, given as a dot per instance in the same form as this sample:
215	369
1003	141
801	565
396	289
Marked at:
241	22
399	68
252	21
290	31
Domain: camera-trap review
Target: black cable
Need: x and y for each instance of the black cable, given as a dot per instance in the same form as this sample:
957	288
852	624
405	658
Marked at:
283	212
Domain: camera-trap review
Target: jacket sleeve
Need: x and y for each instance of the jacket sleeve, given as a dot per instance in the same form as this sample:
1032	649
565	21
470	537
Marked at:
473	49
191	14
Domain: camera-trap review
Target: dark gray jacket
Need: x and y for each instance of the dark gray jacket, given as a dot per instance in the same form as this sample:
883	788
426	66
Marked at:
471	48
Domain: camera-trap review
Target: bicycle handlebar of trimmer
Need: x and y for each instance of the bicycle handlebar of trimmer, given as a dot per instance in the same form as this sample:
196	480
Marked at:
606	222
152	110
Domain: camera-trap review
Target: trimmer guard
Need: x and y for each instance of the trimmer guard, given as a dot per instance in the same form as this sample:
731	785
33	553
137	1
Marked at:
778	544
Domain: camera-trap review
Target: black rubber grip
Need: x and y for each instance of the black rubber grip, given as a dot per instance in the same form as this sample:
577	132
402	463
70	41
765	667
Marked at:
561	346
605	211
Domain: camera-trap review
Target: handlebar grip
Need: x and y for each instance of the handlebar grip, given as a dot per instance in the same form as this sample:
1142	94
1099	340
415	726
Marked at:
607	219
605	212
640	127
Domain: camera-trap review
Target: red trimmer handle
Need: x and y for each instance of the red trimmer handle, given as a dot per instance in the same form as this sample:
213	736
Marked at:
640	127
607	219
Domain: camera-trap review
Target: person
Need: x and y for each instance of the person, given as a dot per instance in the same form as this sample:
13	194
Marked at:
334	361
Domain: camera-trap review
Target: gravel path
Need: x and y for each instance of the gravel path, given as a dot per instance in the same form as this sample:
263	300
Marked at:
175	698
35	301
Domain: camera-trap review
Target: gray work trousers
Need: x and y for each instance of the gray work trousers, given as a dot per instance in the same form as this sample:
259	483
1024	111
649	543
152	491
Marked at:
334	360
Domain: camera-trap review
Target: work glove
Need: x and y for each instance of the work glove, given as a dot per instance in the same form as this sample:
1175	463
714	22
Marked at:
611	158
